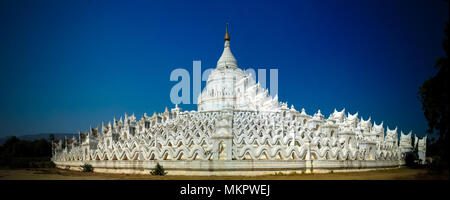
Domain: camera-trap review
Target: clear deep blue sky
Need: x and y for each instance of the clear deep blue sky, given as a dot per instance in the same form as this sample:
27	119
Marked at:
67	64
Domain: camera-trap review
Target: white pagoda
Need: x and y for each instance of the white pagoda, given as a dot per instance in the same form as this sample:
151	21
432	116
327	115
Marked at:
239	129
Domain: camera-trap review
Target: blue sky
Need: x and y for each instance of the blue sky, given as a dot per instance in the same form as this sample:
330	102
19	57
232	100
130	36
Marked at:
67	64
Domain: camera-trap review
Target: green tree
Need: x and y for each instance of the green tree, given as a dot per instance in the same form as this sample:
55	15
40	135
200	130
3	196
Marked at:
16	153
52	137
434	95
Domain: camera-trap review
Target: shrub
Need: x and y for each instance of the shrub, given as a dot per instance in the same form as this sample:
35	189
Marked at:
50	164
279	174
29	162
87	168
158	171
437	166
412	160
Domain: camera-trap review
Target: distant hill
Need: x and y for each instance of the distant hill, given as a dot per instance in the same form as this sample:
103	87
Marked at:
46	136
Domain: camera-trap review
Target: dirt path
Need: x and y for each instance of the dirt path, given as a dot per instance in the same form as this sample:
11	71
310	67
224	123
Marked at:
60	174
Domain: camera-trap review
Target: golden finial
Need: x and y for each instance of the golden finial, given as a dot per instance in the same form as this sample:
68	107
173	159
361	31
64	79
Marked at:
227	37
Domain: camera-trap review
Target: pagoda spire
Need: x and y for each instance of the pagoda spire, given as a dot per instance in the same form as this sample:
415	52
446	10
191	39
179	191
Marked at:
227	59
227	36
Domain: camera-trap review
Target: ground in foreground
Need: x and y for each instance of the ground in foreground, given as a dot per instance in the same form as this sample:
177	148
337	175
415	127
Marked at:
60	174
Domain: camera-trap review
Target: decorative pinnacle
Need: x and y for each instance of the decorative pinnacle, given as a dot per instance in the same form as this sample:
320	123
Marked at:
227	37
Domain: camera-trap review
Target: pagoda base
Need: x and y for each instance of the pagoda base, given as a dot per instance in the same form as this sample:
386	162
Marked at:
231	167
